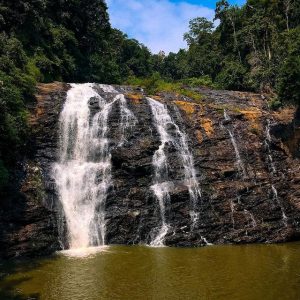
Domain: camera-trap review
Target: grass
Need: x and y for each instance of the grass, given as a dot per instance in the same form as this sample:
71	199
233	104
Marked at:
199	81
156	84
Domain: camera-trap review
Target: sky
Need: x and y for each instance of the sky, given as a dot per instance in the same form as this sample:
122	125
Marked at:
159	24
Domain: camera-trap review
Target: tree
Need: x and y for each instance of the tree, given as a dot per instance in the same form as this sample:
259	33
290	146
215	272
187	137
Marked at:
200	31
289	80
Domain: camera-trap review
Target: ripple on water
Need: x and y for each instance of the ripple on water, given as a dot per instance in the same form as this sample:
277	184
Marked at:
83	252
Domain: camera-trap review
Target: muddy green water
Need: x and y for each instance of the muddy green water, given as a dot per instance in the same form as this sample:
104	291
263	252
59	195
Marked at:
217	272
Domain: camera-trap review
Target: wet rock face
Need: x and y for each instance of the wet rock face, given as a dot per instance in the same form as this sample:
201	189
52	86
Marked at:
246	162
253	198
28	220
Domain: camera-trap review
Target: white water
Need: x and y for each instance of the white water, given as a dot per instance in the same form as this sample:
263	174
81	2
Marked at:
161	187
190	177
159	161
161	191
268	140
253	221
207	243
239	162
276	198
232	208
108	88
83	173
226	116
128	119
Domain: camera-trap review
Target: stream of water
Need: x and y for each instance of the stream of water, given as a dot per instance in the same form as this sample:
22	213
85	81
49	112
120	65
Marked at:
161	187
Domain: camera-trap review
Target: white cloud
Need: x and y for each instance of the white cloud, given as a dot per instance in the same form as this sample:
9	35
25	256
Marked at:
159	24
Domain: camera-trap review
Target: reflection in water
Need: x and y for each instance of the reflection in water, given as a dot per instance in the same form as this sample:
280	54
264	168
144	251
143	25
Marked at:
217	272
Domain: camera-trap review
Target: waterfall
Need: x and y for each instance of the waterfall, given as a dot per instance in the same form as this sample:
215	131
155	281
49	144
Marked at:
226	116
232	208
161	186
128	119
276	198
83	172
268	140
253	221
239	162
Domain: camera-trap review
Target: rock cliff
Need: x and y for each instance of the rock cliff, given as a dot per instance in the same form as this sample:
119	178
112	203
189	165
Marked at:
246	158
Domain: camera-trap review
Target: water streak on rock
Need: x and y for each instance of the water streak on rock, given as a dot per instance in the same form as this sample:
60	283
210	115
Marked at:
163	121
276	199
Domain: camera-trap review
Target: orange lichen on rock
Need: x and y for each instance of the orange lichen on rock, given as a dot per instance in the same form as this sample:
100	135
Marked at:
188	107
199	136
285	115
251	115
207	125
39	110
43	92
156	97
47	88
135	98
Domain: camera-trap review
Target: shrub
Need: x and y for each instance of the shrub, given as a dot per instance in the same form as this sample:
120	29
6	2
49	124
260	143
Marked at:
288	85
4	175
231	76
198	81
155	84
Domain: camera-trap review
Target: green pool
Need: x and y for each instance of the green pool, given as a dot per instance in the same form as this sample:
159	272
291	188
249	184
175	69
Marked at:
216	272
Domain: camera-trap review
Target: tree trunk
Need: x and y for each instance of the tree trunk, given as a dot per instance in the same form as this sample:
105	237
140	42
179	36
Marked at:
235	38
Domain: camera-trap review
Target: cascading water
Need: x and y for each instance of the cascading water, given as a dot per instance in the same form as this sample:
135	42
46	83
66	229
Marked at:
239	162
251	216
268	141
248	215
276	198
161	186
189	170
226	116
83	173
128	119
232	208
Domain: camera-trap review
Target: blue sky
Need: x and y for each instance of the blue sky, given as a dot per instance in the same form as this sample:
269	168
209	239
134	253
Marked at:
159	24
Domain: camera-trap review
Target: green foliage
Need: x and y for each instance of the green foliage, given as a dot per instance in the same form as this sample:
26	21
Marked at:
255	47
289	80
156	84
199	81
4	175
275	104
33	71
231	76
200	30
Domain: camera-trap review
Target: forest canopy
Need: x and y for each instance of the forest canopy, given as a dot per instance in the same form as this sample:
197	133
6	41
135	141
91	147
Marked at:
255	47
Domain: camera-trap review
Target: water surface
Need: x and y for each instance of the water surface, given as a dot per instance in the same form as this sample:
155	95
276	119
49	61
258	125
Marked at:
216	272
